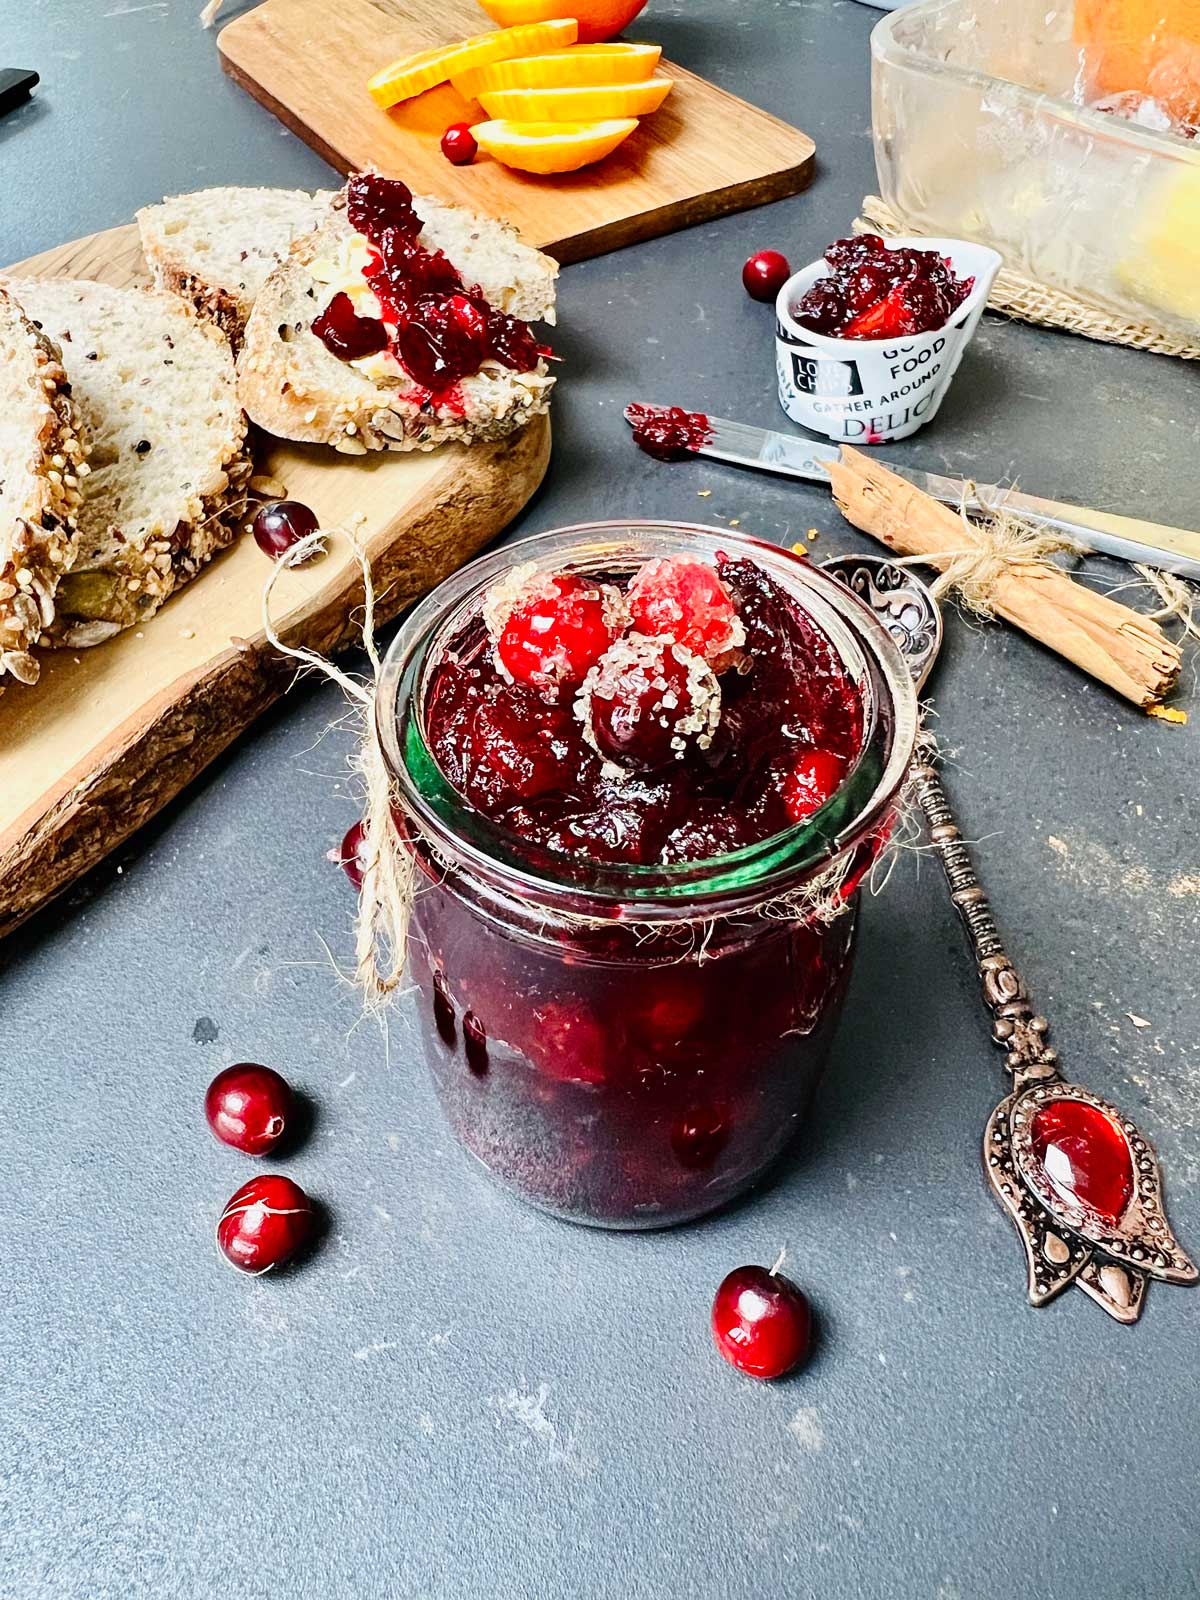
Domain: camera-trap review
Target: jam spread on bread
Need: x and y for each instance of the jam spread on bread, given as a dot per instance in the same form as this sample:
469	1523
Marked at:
438	329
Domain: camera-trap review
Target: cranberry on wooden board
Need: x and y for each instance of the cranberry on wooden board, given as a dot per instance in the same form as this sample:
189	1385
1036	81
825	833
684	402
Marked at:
248	1107
458	145
764	274
267	1222
280	524
761	1322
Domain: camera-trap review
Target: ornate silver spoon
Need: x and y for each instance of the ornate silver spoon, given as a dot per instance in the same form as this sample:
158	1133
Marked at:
1079	1180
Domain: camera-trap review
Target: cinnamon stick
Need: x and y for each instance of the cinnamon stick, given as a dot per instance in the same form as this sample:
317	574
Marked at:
1119	646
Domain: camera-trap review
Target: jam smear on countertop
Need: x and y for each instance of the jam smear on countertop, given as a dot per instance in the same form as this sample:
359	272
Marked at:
437	328
636	748
668	432
872	292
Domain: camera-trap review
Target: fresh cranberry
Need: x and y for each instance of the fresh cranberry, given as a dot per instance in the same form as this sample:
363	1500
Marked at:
1085	1157
555	630
248	1106
458	145
764	274
687	601
267	1222
350	857
374	203
347	335
812	779
668	432
647	701
761	1322
280	524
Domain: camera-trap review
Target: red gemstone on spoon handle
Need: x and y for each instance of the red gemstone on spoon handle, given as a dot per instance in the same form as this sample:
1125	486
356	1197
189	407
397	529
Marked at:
1084	1156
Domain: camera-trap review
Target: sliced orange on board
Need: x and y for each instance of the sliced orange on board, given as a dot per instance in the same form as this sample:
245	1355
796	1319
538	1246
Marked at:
414	74
596	102
564	69
544	147
598	19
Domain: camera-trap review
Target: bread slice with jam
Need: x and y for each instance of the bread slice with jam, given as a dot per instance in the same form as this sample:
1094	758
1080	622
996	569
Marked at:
217	247
155	388
299	384
42	462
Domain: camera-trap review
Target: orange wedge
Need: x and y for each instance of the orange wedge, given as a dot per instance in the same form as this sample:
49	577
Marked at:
414	74
564	69
593	103
551	146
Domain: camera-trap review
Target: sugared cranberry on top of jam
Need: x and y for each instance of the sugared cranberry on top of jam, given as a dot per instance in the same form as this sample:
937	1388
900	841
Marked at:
872	292
550	630
686	600
438	329
674	715
647	702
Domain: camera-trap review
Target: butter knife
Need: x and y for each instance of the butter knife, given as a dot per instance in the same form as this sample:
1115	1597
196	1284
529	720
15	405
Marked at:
1128	538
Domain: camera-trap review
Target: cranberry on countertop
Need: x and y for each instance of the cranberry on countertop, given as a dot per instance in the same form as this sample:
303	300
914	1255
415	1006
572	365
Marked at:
761	1322
764	274
280	524
350	854
248	1107
266	1223
458	145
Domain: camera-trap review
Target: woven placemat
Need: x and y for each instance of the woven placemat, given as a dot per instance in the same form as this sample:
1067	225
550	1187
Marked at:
1030	301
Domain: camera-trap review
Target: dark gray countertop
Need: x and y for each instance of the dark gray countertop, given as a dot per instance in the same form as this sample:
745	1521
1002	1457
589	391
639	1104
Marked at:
458	1397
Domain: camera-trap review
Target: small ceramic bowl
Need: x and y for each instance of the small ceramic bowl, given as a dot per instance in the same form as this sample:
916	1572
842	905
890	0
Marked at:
868	391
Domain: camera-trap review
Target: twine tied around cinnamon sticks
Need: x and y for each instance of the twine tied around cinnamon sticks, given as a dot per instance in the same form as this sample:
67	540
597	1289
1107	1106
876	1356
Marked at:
1001	564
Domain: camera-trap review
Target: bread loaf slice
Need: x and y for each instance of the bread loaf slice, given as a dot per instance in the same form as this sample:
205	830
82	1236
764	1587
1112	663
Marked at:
294	387
42	460
216	248
155	388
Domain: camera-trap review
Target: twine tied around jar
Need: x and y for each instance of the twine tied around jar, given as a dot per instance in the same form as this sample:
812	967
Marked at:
390	875
388	871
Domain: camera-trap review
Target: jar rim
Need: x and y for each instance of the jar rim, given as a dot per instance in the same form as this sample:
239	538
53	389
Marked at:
655	892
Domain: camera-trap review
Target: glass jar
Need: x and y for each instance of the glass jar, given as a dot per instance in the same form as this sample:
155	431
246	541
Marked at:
632	1046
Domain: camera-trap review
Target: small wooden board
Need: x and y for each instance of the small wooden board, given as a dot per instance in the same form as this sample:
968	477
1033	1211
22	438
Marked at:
704	154
109	735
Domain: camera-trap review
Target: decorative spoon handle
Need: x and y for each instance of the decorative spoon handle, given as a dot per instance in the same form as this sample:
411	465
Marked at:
1016	1027
1080	1181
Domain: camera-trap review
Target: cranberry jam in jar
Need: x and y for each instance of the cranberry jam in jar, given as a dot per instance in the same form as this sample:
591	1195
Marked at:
642	768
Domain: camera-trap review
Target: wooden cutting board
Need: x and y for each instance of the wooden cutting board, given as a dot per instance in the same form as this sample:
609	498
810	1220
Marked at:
704	154
109	735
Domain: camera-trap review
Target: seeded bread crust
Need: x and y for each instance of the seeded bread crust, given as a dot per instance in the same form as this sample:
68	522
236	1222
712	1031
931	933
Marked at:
41	463
155	388
215	248
295	388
